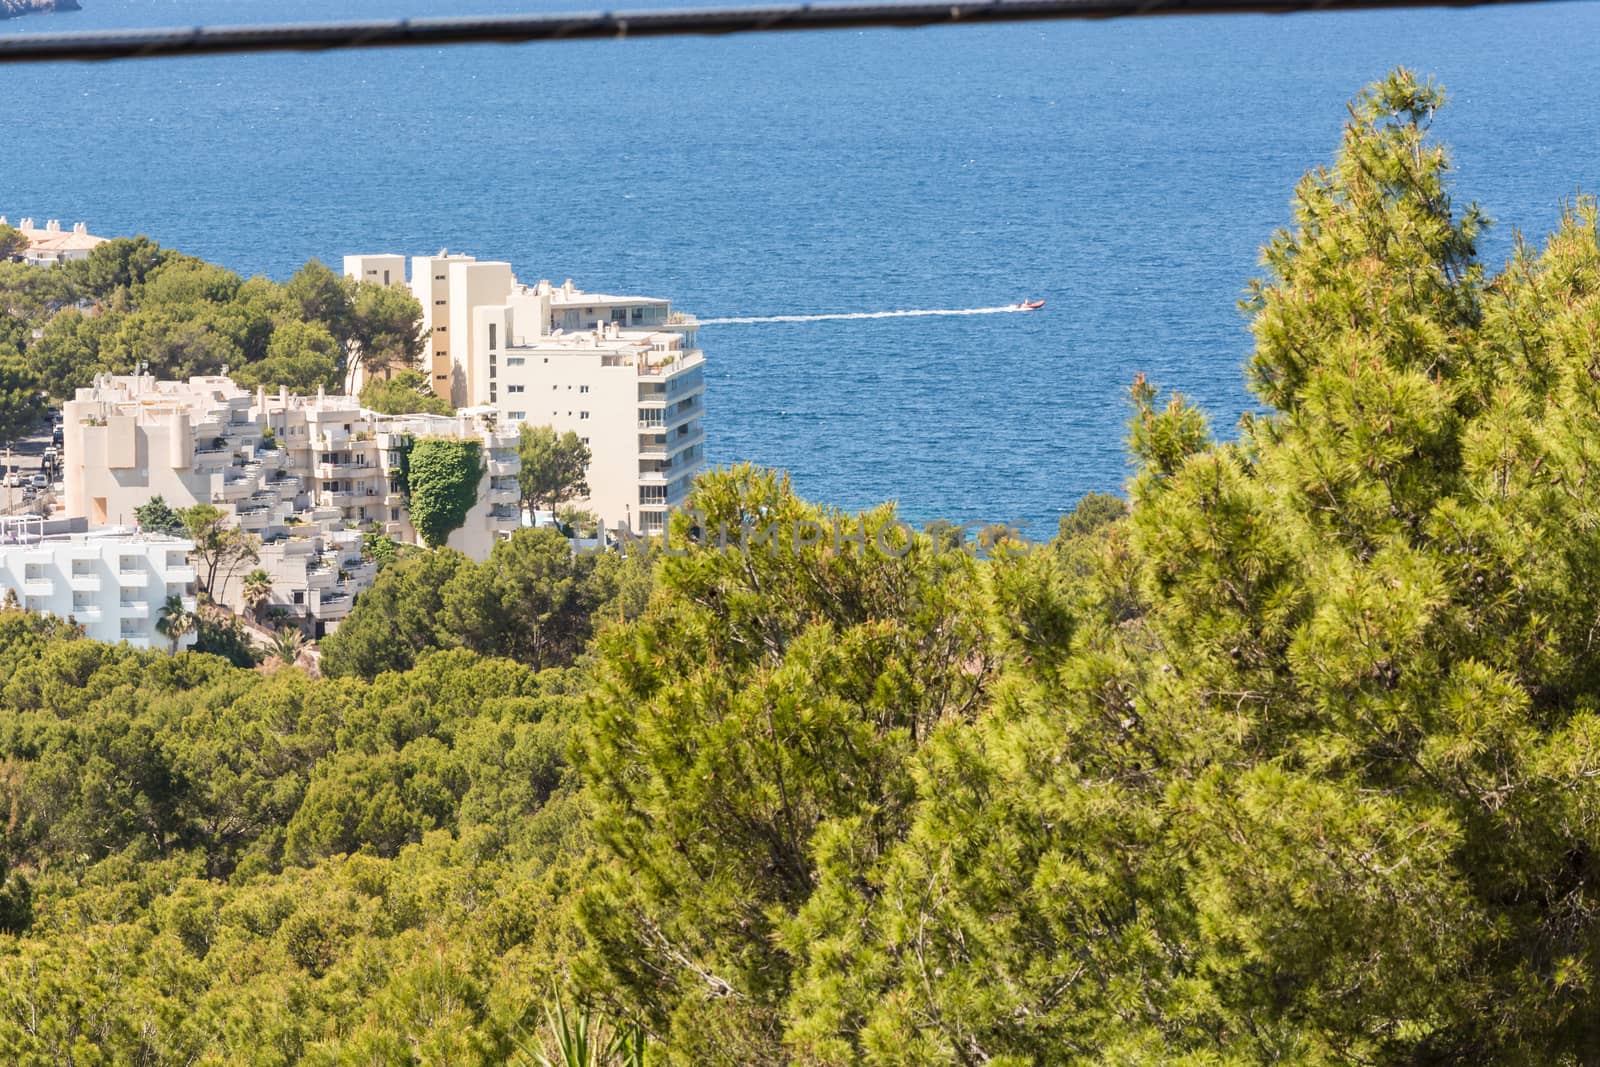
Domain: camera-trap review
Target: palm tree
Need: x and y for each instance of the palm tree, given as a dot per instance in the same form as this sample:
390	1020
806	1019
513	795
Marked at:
176	621
257	587
288	643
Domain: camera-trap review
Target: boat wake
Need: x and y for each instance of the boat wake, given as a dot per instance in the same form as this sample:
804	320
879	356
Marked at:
740	320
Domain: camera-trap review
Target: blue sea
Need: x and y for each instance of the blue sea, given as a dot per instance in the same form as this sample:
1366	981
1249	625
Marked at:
1125	172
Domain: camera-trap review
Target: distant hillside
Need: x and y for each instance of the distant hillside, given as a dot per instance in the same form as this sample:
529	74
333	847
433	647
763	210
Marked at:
13	8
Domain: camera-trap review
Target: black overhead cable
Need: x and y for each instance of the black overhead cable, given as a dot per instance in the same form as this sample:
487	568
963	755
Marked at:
576	26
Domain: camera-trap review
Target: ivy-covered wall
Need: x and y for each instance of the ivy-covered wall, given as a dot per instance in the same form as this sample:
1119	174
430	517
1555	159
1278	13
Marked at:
442	476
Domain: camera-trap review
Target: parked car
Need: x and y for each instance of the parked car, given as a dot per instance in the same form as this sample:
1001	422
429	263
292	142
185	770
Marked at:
12	479
38	482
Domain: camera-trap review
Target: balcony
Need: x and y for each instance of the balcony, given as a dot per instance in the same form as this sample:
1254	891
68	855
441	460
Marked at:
135	640
133	609
346	498
688	385
678	444
345	470
681	418
210	458
133	578
501	515
177	574
653	477
87	612
502	467
84	582
236	489
331	606
38	586
503	440
254	520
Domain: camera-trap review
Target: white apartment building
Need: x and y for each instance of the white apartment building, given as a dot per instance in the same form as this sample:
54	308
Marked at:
622	372
307	475
112	582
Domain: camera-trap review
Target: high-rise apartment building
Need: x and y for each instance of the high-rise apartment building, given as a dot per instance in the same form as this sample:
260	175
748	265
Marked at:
622	372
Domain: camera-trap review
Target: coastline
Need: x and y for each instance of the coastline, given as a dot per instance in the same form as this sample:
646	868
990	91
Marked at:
10	9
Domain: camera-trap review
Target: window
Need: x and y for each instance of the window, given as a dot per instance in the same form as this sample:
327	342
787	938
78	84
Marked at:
299	596
516	416
438	303
515	361
442	377
440	329
438	277
385	277
583	388
394	514
585	440
583	414
491	336
515	388
638	316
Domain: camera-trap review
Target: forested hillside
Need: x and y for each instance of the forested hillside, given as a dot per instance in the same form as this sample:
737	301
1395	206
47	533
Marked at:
133	302
1295	758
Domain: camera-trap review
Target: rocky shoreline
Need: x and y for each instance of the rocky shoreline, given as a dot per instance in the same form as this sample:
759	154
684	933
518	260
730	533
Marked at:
10	9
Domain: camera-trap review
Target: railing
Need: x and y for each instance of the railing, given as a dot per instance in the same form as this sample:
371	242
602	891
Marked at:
340	470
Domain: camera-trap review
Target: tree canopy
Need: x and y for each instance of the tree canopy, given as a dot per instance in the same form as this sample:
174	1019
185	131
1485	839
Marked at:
554	467
1289	757
132	301
403	393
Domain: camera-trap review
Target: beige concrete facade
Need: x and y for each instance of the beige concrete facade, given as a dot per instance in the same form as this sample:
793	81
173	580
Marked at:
308	475
449	287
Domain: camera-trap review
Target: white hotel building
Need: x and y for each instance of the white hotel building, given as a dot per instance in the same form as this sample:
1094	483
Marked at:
112	582
622	372
307	475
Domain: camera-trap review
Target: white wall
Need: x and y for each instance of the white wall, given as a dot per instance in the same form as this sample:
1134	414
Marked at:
114	586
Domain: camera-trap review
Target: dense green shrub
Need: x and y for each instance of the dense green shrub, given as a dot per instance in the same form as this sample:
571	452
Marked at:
442	476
